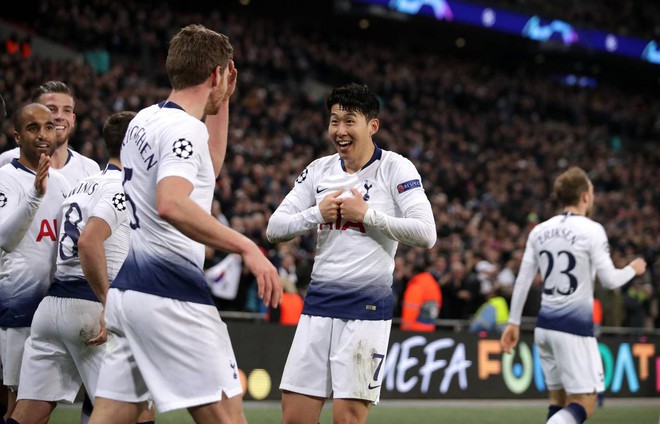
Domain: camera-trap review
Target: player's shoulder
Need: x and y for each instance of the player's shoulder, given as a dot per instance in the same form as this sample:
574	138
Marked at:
89	165
8	155
396	162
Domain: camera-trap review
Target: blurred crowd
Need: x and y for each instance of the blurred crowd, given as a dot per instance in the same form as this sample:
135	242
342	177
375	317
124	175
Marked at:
487	141
631	18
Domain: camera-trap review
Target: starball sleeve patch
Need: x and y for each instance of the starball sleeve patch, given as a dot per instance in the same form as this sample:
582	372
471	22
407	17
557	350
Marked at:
182	148
119	202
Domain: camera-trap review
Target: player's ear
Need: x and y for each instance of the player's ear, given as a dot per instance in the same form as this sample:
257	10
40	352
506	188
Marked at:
216	76
374	125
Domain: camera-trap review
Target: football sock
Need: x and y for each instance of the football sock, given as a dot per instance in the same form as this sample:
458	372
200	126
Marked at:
573	413
12	421
552	410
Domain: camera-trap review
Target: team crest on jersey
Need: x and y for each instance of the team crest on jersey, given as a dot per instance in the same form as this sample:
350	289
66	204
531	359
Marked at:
119	202
408	185
303	176
182	148
3	200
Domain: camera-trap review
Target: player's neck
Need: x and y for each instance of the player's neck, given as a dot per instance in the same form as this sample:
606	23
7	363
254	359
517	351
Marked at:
115	161
574	210
60	156
188	99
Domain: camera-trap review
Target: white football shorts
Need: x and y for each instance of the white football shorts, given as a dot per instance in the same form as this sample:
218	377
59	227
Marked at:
12	343
57	358
338	357
570	362
176	353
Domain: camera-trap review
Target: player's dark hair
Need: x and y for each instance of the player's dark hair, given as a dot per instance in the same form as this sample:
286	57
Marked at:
355	98
114	130
570	185
51	87
194	53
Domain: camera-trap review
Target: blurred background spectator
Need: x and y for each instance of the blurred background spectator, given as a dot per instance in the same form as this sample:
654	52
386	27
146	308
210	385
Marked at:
488	128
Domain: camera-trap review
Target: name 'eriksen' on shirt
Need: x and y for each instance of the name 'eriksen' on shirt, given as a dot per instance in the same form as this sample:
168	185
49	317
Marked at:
564	233
137	135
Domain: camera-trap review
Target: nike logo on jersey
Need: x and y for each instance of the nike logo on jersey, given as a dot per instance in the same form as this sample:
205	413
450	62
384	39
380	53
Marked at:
370	387
321	189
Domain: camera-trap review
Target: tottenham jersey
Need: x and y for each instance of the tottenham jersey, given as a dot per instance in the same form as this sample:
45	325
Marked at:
354	264
76	167
26	271
163	141
567	250
101	196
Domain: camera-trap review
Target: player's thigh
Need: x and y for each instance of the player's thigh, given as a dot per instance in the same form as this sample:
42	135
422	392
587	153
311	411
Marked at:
48	373
580	364
357	358
119	378
299	408
229	410
80	322
307	368
180	348
549	365
14	346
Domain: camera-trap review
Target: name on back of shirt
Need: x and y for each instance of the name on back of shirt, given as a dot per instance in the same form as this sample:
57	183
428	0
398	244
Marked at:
138	136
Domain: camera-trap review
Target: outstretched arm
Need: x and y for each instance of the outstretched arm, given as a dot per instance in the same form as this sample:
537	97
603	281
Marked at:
175	207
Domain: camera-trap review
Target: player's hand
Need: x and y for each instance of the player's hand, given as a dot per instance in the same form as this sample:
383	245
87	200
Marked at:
232	78
269	285
102	337
329	206
639	265
42	175
510	337
353	208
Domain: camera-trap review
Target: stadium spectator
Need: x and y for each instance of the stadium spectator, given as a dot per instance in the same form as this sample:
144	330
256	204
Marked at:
486	137
422	301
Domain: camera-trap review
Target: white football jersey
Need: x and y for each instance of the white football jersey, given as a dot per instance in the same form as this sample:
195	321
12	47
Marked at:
163	141
101	196
76	167
26	270
568	250
353	268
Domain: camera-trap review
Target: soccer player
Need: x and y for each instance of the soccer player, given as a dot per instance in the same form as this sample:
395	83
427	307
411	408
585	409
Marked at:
66	343
569	250
31	197
170	344
363	201
57	96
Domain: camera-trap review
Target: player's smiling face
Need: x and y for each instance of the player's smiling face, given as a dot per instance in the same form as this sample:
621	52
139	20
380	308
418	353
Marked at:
351	133
62	107
36	134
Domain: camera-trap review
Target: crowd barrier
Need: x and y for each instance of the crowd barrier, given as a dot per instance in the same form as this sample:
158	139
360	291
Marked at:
446	364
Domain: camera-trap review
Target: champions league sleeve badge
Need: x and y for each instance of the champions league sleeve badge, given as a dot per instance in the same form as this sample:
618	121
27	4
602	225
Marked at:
119	202
182	148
